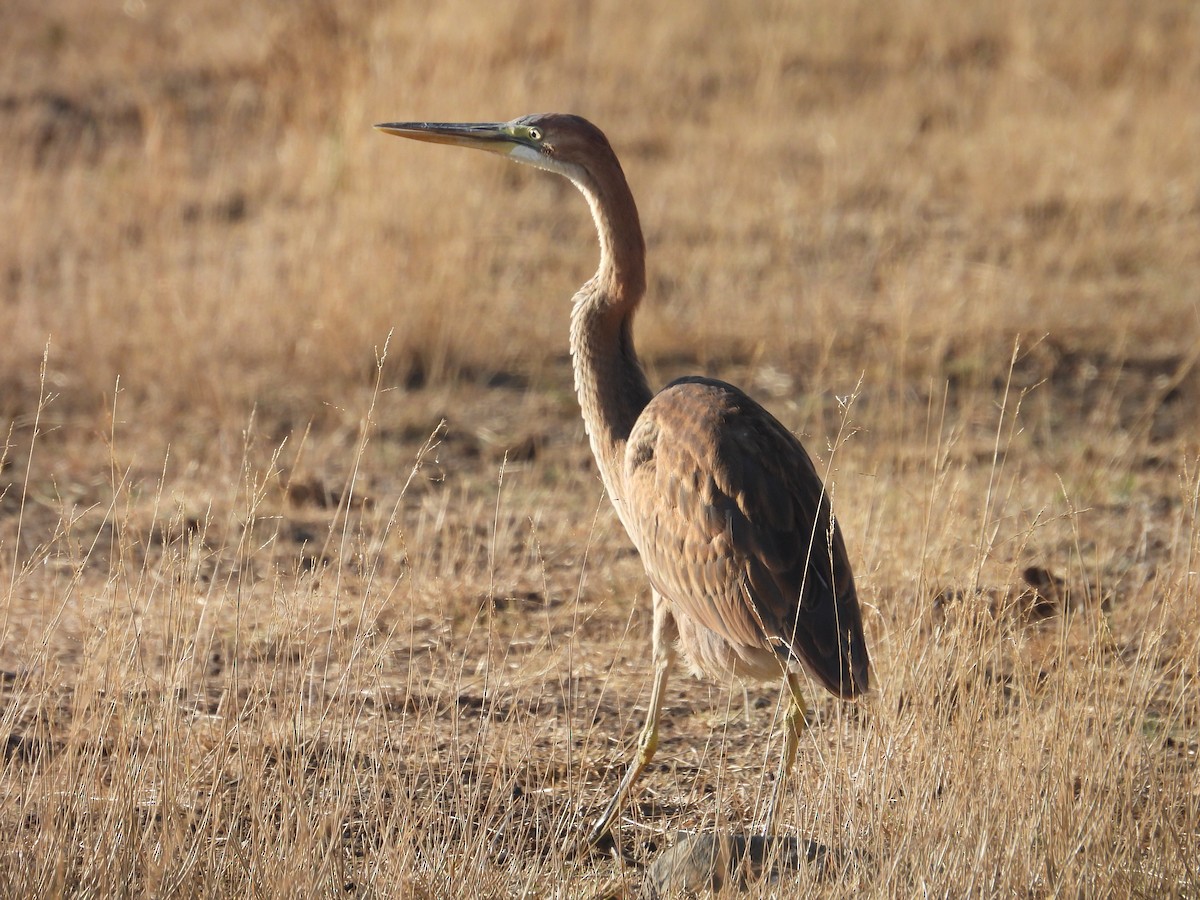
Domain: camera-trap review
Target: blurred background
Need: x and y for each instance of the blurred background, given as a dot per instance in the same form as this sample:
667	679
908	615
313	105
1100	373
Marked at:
195	201
301	537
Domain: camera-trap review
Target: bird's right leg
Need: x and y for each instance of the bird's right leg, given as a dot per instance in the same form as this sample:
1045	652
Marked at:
665	634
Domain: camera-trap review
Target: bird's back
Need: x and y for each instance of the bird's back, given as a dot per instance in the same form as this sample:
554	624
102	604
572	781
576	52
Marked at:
734	527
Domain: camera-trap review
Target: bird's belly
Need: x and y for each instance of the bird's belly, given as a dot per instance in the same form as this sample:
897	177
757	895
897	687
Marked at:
711	655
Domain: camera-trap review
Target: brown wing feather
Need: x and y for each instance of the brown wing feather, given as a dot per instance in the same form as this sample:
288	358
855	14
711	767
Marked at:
733	525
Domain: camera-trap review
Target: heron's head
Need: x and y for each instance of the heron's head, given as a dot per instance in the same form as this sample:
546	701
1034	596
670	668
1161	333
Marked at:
566	144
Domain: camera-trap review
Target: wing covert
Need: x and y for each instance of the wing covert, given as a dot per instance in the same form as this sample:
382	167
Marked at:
734	527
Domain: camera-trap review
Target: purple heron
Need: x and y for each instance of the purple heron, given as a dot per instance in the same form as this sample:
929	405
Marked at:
747	565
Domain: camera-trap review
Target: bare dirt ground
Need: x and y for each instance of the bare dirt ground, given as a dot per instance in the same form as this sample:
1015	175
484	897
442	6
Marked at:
308	582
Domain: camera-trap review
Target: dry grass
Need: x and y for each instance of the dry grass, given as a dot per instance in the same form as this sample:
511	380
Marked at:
308	584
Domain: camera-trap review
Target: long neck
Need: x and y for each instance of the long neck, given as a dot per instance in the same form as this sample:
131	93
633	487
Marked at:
609	381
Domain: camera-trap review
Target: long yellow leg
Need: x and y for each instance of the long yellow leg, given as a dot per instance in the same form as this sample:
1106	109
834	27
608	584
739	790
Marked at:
795	722
664	657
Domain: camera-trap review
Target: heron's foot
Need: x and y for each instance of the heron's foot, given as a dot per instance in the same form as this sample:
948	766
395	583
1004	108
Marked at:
599	836
599	840
647	744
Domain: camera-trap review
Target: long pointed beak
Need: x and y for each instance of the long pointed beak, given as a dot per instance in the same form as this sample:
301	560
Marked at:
484	136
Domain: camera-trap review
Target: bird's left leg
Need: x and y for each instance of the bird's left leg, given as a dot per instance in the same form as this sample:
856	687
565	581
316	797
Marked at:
664	636
795	722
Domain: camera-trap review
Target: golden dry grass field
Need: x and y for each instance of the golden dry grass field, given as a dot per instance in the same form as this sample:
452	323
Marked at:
308	585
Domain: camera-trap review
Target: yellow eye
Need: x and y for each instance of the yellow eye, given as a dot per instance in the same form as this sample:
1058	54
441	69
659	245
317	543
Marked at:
535	134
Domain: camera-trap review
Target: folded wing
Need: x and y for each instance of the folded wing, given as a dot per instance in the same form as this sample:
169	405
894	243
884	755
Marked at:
734	527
